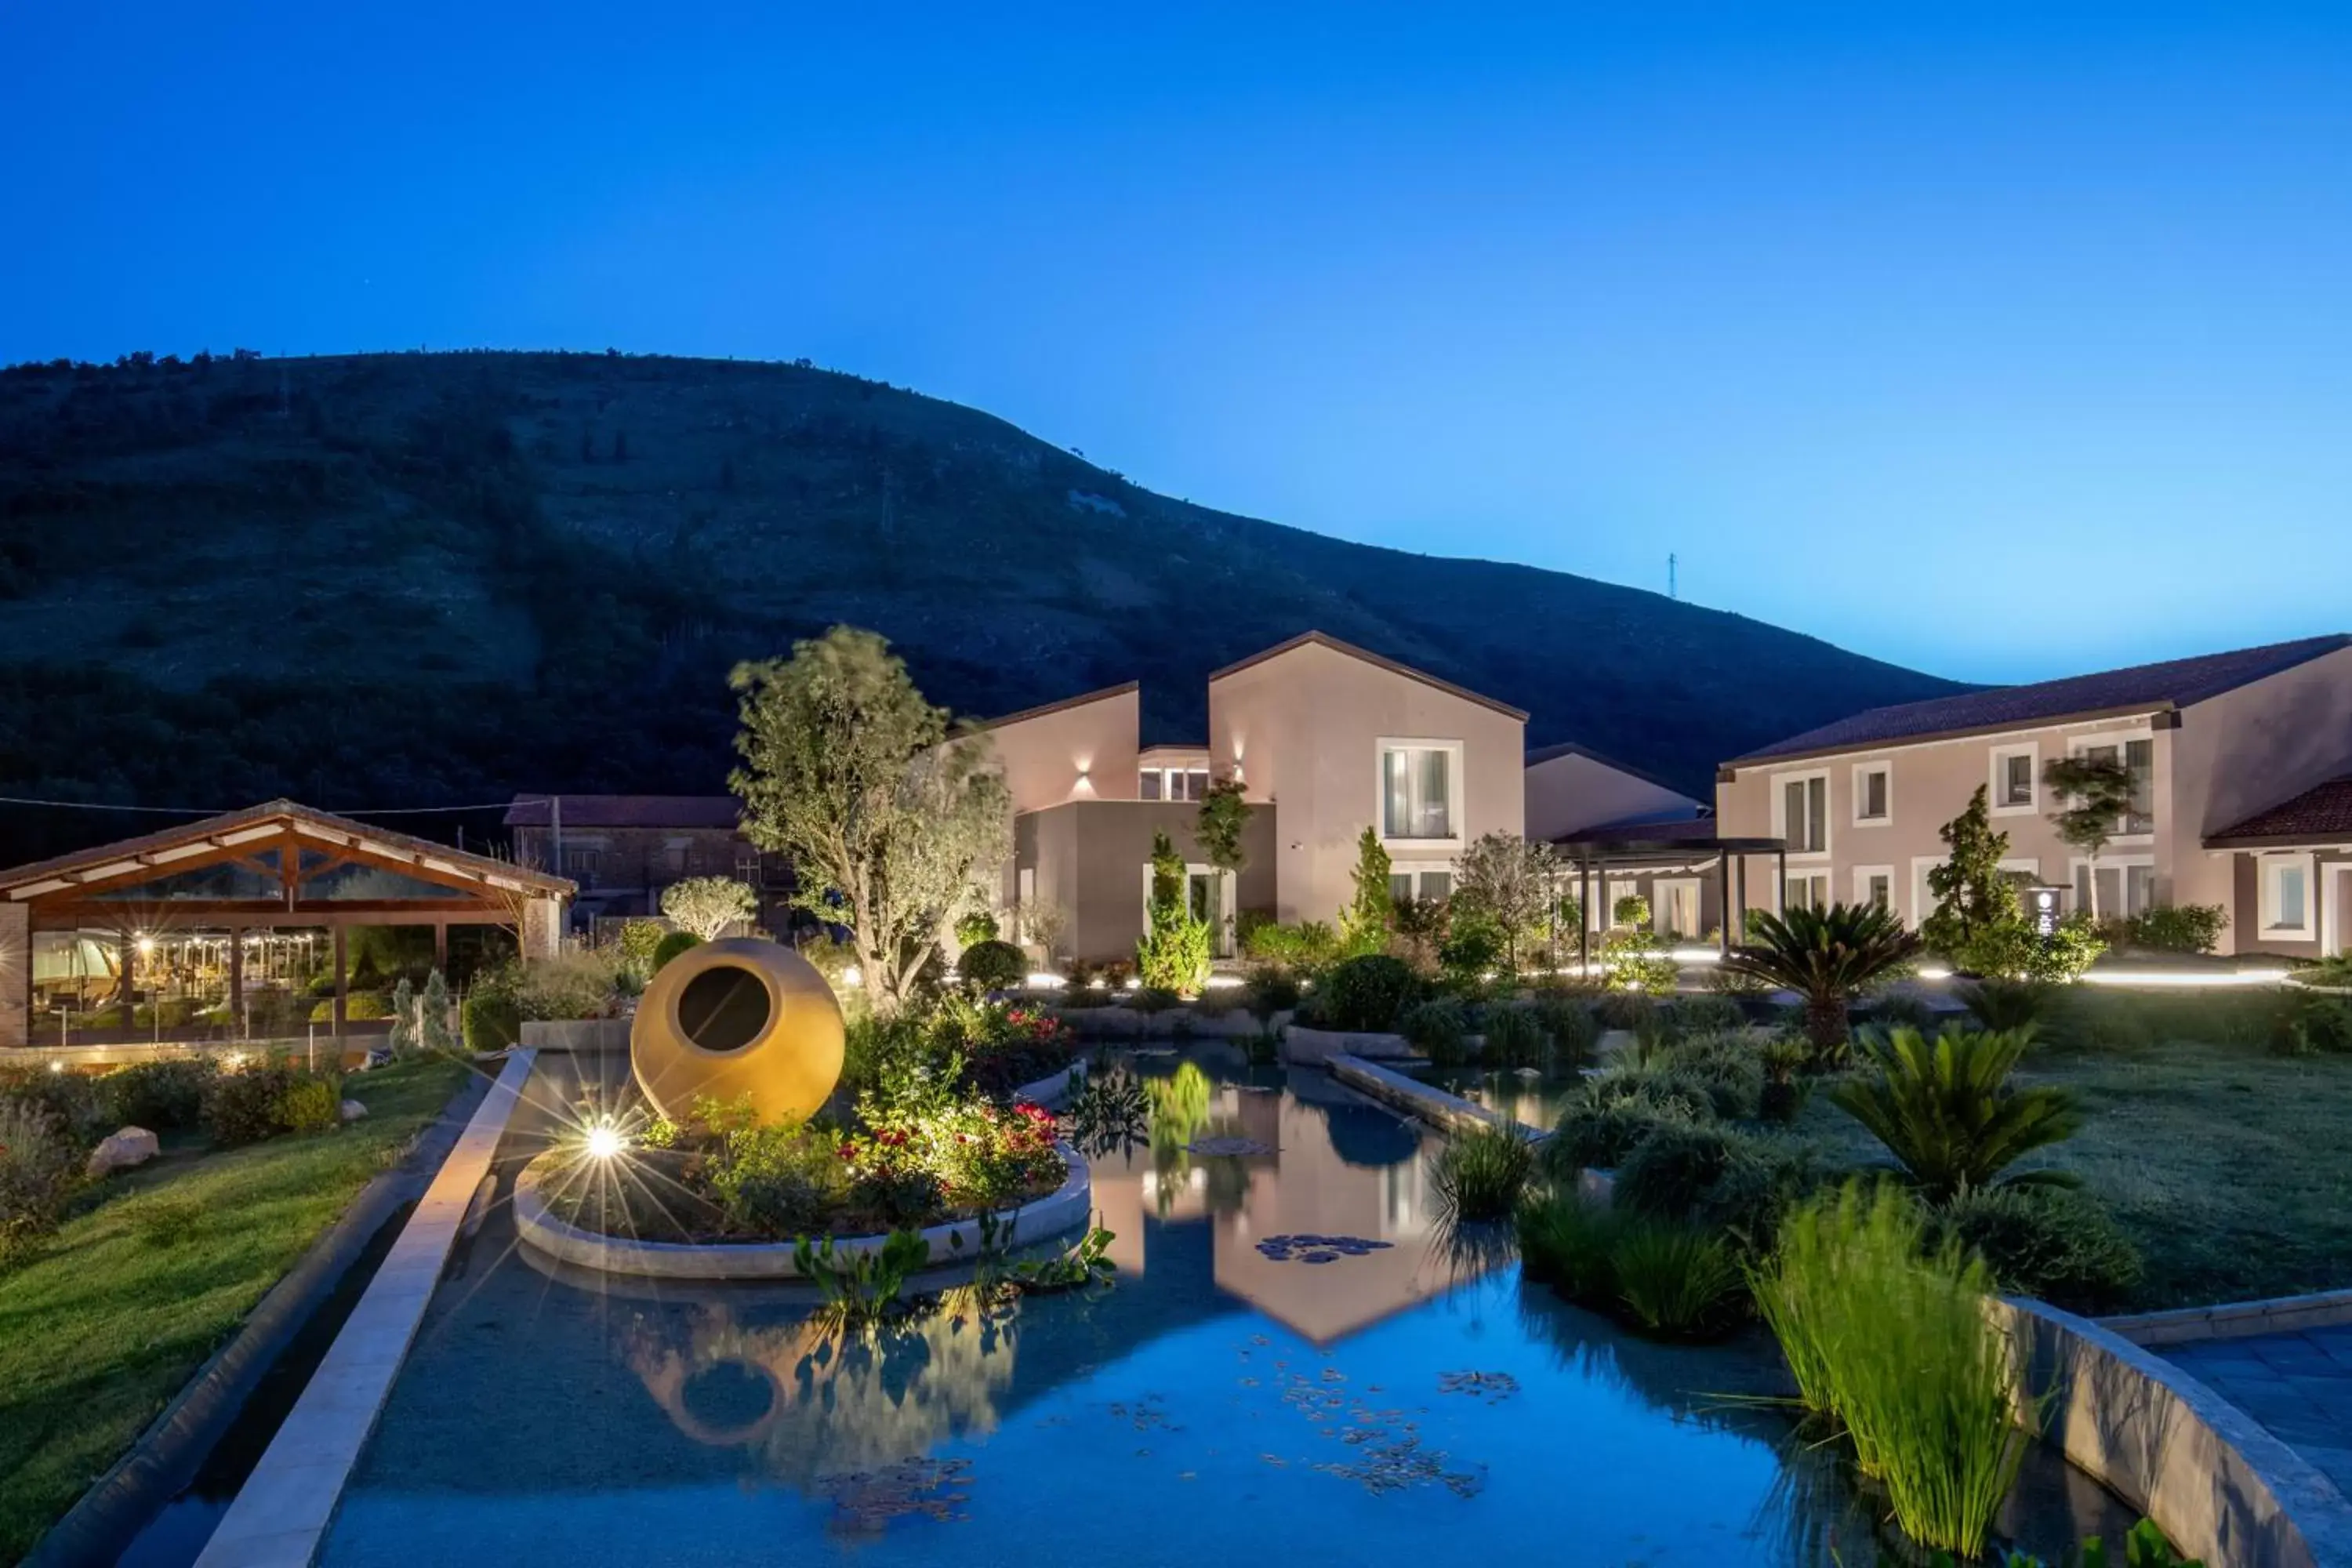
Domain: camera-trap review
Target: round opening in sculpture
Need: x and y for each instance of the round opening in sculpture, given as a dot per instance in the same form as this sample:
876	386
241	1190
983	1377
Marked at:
735	1020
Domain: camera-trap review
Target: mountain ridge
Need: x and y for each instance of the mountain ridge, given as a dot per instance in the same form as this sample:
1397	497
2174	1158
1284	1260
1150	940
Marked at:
424	575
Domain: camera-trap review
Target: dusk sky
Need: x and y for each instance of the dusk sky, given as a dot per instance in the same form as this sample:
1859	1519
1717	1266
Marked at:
1998	342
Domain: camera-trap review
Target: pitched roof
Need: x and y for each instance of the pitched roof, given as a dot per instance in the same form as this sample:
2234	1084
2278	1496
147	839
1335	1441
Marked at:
154	847
2174	683
1080	701
1574	749
628	811
2321	813
1324	639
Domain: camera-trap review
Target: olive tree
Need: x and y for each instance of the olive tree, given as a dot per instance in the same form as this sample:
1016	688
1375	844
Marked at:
889	822
706	906
2093	795
1511	879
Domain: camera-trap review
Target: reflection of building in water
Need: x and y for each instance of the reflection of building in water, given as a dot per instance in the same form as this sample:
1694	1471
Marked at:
813	1400
1342	1167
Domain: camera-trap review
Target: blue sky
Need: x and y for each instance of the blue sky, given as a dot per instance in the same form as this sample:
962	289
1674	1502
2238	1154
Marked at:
2002	342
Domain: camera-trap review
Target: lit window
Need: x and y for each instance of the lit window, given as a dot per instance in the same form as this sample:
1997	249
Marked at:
1878	889
1416	791
2286	896
1807	891
2015	769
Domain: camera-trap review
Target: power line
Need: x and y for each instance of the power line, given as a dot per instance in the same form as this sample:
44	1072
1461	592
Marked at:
223	811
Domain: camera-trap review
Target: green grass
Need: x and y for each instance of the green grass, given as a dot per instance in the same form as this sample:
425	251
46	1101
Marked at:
2228	1166
154	1272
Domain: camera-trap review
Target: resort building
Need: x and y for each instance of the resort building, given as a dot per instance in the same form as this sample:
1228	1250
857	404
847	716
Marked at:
2241	760
1626	834
1326	739
623	850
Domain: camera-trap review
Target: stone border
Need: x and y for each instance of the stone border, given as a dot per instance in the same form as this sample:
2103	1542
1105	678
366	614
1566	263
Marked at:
1447	1112
2234	1319
1302	1046
2214	1479
280	1516
1050	1090
1062	1210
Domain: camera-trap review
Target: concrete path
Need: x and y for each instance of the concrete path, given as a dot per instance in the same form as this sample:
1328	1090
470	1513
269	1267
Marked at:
2297	1384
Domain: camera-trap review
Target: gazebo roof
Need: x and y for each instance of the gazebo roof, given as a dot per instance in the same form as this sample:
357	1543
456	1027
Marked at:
279	859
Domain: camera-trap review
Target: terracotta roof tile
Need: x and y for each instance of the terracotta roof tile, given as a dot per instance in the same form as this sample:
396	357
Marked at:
2322	812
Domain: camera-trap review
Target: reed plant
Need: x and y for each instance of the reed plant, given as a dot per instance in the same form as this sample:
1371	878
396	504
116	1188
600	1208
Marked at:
1481	1173
1899	1345
1675	1281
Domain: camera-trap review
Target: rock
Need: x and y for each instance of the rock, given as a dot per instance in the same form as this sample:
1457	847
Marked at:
353	1111
121	1151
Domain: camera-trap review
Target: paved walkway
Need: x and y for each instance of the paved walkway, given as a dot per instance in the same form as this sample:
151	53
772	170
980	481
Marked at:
2297	1384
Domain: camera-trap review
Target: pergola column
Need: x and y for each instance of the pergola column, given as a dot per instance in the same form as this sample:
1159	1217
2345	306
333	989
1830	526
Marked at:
1584	914
1723	898
343	981
15	973
441	947
235	982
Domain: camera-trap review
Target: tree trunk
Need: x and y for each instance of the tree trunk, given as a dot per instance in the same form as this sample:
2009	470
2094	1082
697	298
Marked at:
1826	1028
2090	864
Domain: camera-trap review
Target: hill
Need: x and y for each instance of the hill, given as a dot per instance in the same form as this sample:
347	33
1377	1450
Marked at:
417	578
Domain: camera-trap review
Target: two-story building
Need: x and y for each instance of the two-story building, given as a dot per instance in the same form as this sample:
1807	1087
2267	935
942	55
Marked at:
2233	754
1325	738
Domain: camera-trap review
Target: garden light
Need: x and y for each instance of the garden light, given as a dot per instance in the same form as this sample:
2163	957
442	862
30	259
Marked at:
605	1141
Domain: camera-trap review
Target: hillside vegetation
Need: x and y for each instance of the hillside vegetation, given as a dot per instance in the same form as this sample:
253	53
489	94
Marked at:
432	577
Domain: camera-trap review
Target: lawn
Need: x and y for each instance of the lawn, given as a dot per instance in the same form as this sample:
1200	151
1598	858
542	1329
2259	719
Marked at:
155	1272
2231	1167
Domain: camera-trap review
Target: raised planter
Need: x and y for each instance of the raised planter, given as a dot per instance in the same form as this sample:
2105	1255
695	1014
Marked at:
585	1036
956	1240
2235	1320
1050	1090
2220	1485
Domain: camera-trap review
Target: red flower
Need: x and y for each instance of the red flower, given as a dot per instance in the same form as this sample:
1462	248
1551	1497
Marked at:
850	1150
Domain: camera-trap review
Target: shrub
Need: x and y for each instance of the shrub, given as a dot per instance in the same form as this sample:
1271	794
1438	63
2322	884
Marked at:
1565	1242
311	1105
2177	927
1675	1281
1670	1091
2061	1246
1945	1110
897	1194
1639	961
1473	948
2314	1025
1481	1173
778	1180
260	1102
975	927
1309	945
671	944
1700	1015
162	1097
1439	1029
1899	1348
1671	1170
1730	1063
1573	1029
1368	992
1781	1096
992	965
1627	1010
1513	1039
490	1020
1150	998
2006	1005
1270	989
1901	1010
1599	1129
68	1099
40	1166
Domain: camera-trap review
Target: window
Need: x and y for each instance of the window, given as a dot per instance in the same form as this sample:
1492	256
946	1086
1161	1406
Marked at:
1428	883
747	869
1875	885
1172	783
1677	908
1873	794
2286	897
2016	772
580	862
1417	790
674	856
1147	786
1805	890
1803	813
2126	884
2138	758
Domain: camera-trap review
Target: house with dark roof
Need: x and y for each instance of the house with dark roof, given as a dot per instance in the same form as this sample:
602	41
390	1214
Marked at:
2237	757
1325	738
624	850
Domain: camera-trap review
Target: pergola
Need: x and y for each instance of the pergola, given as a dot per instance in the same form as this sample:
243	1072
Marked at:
1688	844
272	867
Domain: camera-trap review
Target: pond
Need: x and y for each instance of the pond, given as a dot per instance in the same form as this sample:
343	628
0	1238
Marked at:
1297	1362
1528	1096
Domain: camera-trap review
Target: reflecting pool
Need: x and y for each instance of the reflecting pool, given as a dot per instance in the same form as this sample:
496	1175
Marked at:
1298	1363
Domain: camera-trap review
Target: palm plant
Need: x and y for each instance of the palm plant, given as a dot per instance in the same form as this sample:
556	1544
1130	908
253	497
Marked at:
1826	957
1946	1111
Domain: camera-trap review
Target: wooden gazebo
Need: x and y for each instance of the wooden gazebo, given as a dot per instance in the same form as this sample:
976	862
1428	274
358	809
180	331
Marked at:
270	867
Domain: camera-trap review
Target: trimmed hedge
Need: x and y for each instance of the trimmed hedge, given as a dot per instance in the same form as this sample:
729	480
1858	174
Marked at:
491	1020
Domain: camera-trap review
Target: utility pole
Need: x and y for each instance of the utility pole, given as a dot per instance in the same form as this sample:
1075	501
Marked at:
1671	592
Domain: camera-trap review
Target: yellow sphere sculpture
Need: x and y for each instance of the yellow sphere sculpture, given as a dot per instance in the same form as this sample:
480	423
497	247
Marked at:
734	1018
